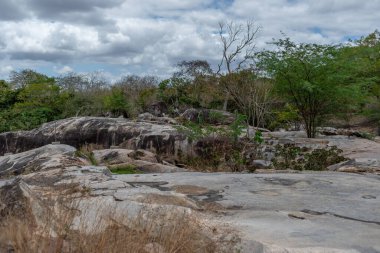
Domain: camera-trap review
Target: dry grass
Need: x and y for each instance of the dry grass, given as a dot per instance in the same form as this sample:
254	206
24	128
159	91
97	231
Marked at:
178	234
86	152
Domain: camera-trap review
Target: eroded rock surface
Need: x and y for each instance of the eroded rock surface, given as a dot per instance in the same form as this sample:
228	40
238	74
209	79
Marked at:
303	212
105	132
141	160
49	156
358	165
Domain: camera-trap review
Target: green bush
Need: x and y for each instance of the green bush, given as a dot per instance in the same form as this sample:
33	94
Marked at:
125	169
116	103
289	156
320	159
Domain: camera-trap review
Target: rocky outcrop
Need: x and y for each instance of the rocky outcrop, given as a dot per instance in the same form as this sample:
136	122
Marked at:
60	156
358	165
141	160
328	131
304	212
104	132
148	117
46	157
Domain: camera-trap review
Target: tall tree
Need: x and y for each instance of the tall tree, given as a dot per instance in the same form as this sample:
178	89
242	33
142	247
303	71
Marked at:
7	95
250	93
238	44
310	78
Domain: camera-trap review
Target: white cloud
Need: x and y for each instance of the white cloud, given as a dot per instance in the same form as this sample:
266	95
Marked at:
149	37
5	70
63	70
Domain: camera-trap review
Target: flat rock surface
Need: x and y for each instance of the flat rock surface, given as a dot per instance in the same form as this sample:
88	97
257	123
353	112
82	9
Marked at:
305	212
353	147
356	147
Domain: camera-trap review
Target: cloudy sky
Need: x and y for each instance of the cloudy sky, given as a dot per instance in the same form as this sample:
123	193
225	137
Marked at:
121	37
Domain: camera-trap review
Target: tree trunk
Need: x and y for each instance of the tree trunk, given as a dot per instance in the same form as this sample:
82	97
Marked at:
225	104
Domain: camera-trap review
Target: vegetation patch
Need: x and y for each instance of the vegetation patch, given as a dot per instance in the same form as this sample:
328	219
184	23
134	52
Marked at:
289	156
125	169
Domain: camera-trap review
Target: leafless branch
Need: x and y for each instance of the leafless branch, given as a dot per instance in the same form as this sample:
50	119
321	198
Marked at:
237	44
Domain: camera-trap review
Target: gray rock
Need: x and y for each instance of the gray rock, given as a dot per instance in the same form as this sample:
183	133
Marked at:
148	117
352	147
112	156
143	155
358	165
312	212
49	156
261	164
339	131
105	132
149	167
305	212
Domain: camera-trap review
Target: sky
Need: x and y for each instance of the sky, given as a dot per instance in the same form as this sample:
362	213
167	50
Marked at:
148	37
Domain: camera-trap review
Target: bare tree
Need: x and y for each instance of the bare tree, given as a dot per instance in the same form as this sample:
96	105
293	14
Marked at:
251	94
238	44
83	82
20	79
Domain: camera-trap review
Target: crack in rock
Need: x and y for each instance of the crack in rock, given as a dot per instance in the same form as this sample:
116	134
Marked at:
312	212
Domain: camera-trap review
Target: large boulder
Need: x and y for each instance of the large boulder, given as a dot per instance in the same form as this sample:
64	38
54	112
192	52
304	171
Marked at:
46	157
103	132
113	156
60	156
141	160
85	201
358	165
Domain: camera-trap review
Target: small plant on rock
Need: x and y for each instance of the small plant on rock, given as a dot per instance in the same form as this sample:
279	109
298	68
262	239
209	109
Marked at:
126	169
86	153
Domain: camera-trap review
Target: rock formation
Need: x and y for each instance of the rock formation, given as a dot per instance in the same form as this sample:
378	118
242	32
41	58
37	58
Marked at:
105	132
301	212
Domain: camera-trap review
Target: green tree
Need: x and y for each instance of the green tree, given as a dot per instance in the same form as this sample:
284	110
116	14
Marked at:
37	103
364	58
310	78
20	79
116	103
192	85
7	95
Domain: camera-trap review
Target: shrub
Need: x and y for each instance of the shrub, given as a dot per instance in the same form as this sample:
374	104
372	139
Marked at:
289	156
320	159
85	152
221	148
125	169
180	233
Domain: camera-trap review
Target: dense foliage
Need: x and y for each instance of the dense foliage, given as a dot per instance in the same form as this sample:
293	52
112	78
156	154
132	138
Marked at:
291	86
